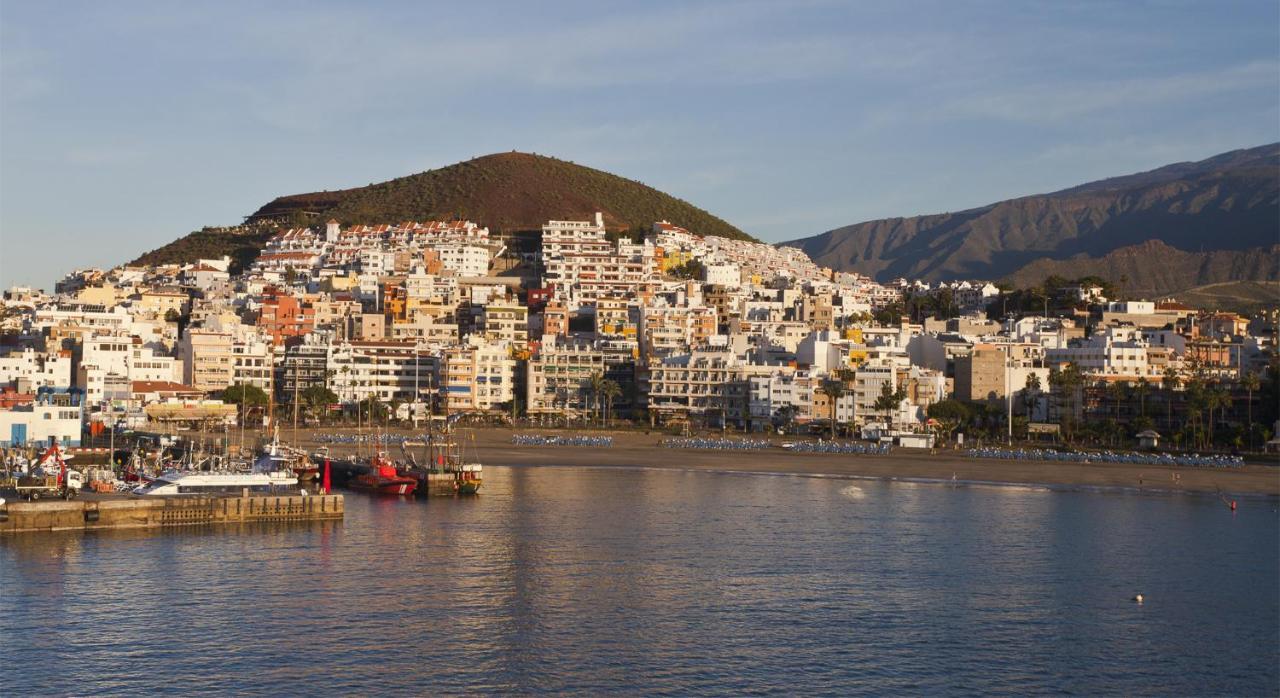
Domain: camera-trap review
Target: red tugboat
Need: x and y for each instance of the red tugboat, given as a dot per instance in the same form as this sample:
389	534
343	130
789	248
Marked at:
381	478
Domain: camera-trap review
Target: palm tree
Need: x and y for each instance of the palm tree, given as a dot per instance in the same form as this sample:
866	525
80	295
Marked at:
1030	393
889	400
1170	384
1117	392
611	391
1066	384
834	390
786	416
595	387
1141	388
1251	383
1222	401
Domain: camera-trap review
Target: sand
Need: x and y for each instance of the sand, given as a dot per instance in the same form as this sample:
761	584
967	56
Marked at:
637	449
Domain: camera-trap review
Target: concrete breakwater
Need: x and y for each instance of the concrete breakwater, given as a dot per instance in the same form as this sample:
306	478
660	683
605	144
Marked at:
158	512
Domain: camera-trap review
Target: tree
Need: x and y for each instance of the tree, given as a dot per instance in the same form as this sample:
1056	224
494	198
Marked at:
834	390
1031	392
595	388
950	415
244	394
889	400
1171	381
611	391
1141	388
1066	385
1251	383
1221	400
692	269
316	399
786	416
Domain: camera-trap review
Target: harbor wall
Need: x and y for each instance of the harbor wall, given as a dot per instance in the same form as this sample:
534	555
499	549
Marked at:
156	512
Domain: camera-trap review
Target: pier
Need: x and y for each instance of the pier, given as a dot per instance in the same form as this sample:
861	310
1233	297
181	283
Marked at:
161	512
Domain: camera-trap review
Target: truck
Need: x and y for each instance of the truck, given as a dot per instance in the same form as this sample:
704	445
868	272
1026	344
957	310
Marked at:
51	477
33	487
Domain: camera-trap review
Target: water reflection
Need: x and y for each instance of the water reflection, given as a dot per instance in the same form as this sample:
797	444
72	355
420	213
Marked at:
599	581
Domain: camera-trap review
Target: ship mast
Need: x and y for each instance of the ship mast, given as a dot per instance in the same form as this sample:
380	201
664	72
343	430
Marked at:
295	400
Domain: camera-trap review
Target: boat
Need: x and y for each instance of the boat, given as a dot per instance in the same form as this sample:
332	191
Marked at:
381	478
445	470
217	474
179	482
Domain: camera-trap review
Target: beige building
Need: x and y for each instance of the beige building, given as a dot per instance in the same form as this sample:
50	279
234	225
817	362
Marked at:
207	361
478	377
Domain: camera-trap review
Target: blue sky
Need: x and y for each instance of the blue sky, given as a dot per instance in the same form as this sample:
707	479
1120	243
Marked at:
126	124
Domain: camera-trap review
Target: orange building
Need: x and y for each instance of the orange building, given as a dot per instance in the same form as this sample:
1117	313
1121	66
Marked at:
285	316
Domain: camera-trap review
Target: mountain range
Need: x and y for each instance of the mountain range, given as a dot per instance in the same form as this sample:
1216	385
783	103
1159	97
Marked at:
1169	229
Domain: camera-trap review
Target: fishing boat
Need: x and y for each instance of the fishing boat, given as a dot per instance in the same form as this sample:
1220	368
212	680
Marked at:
444	469
381	478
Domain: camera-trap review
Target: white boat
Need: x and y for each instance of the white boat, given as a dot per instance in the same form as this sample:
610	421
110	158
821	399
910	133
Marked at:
177	482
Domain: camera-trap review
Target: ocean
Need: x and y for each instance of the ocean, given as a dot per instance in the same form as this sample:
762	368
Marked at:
605	581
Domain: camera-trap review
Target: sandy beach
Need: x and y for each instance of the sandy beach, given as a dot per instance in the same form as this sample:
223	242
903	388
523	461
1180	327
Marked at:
636	449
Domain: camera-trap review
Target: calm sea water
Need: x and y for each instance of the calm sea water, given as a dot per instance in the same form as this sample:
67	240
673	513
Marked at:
604	581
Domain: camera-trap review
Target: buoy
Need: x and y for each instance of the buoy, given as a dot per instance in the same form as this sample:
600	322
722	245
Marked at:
1138	598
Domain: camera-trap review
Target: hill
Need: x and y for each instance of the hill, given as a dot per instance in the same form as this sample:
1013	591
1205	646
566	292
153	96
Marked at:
507	192
1227	203
241	243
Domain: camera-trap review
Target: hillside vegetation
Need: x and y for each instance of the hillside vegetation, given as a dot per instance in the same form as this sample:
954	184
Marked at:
1153	268
507	192
242	244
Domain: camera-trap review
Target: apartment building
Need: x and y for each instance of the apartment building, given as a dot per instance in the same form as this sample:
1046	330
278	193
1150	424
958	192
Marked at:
560	372
385	370
479	377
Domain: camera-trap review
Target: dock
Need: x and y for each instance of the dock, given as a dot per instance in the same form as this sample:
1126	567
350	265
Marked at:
164	512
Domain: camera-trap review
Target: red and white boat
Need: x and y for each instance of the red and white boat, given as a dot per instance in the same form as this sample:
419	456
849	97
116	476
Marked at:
382	478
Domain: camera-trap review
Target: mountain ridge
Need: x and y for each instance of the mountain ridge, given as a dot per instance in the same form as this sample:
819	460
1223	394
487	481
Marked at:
1187	206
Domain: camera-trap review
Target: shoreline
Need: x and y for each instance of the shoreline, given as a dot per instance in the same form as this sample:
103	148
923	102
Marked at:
492	446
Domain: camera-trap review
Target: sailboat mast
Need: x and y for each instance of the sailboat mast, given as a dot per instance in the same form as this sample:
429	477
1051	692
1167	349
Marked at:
295	401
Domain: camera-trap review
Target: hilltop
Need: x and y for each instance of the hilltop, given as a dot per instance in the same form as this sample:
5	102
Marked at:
1212	221
506	192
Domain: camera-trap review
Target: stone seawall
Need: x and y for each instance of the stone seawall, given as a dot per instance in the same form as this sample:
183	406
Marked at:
155	512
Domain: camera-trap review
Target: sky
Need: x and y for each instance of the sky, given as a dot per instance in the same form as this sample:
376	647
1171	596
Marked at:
125	125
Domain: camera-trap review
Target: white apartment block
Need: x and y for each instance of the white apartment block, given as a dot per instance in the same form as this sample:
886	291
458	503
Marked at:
463	260
385	370
699	384
722	275
37	368
1115	351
